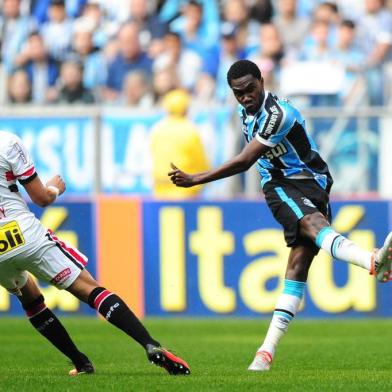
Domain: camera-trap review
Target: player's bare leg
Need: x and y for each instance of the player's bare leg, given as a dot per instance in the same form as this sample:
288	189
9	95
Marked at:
378	263
298	265
49	326
116	311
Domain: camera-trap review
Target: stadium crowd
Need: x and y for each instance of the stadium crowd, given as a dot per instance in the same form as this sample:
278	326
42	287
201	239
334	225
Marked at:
132	52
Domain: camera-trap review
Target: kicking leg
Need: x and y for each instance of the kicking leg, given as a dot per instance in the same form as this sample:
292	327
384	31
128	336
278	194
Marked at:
378	263
49	326
116	311
300	259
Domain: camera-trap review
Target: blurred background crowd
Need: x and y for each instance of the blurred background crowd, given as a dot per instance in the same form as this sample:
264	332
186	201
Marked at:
132	52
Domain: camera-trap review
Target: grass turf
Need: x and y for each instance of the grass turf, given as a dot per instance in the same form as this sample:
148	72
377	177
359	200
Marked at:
352	355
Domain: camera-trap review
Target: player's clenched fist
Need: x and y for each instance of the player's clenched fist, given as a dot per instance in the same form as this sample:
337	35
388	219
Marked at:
180	178
57	182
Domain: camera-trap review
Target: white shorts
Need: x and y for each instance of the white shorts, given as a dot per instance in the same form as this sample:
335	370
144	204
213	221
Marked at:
55	262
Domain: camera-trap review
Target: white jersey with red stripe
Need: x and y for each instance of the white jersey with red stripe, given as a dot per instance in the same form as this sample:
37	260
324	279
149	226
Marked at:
19	228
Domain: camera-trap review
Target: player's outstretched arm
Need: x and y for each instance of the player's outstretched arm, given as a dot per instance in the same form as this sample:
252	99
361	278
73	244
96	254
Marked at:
240	163
43	195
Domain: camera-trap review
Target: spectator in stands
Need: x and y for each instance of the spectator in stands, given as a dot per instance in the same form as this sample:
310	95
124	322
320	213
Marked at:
117	11
187	62
14	29
269	56
197	22
319	50
94	64
348	55
136	91
375	36
72	90
19	88
129	58
102	27
328	12
41	68
195	35
39	9
229	52
152	30
292	28
164	80
57	31
261	10
176	136
237	12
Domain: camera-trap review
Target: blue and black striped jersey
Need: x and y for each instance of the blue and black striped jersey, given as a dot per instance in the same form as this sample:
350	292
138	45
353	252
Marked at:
293	153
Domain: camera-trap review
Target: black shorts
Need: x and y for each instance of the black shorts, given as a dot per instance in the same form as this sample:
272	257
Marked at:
291	200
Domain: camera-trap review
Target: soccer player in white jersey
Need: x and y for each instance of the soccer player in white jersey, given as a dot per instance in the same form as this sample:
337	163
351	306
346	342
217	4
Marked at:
296	184
26	246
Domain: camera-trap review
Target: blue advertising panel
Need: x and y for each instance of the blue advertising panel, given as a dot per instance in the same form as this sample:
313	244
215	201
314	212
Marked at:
229	258
126	152
350	145
59	145
74	223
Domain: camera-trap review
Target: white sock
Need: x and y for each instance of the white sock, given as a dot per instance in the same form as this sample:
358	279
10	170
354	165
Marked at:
342	248
286	309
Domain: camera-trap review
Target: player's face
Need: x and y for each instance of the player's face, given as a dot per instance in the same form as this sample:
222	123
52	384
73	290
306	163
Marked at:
249	92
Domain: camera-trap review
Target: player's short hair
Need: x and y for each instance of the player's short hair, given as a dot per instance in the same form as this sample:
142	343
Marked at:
241	68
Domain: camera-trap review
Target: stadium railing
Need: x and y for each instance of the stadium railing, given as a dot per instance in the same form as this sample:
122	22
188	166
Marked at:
354	141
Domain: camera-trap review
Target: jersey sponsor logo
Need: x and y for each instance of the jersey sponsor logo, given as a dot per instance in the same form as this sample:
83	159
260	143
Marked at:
11	237
61	276
272	121
279	150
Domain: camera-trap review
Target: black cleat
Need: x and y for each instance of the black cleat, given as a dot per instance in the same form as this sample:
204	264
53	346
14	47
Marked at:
85	367
164	358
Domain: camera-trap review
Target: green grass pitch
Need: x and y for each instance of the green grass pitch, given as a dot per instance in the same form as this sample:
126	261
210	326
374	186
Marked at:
321	355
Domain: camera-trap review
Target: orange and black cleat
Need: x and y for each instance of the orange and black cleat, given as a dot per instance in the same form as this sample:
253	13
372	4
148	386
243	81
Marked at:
164	358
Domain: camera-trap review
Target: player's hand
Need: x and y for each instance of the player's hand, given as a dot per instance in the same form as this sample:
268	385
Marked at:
180	178
58	182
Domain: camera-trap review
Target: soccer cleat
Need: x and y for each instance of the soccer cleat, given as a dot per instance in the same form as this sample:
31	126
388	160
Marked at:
86	367
382	261
164	358
262	362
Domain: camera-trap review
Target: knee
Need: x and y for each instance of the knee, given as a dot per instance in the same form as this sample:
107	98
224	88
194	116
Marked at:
35	306
311	224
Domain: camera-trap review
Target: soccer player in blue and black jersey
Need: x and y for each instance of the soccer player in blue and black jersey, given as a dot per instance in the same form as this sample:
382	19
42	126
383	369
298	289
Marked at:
296	183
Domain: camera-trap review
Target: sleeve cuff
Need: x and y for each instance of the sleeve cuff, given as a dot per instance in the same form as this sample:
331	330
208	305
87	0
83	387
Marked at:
27	180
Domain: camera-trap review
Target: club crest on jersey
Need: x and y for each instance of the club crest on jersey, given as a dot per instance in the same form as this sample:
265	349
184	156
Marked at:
307	202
